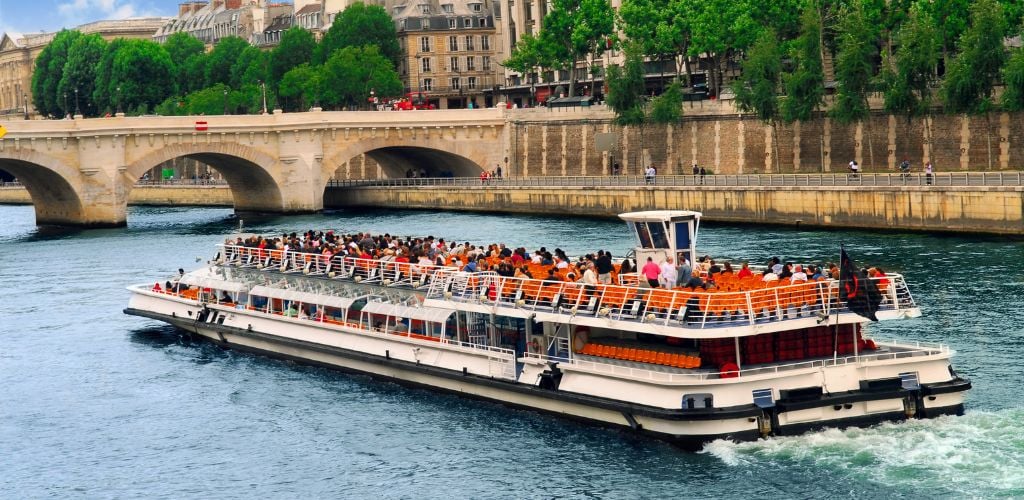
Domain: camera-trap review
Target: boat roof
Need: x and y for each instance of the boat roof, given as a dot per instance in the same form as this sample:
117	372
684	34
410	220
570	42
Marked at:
659	215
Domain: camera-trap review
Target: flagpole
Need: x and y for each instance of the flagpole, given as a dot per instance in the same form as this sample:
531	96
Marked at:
835	333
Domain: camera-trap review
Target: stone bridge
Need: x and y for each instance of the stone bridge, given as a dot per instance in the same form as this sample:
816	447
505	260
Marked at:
80	172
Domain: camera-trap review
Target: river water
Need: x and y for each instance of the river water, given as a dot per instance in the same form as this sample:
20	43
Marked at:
94	403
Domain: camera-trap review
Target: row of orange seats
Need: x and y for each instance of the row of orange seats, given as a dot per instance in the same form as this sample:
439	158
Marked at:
641	355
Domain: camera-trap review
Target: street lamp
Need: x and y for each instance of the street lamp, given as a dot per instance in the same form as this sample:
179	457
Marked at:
119	100
65	108
24	100
263	87
225	101
373	99
77	110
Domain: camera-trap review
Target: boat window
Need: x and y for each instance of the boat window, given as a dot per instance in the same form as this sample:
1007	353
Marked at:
910	381
644	234
698	400
659	236
763	398
682	236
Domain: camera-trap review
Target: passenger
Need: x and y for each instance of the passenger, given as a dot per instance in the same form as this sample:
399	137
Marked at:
156	287
798	274
626	267
590	276
683	272
651	272
695	281
713	268
553	275
304	312
745	271
470	266
523	272
770	276
775	265
787	271
669	275
603	267
727	269
292	311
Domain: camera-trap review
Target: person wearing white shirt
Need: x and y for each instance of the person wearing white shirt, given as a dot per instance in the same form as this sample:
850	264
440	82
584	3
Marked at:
669	274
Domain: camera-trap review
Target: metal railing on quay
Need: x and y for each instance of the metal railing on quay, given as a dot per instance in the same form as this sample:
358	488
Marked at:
887	180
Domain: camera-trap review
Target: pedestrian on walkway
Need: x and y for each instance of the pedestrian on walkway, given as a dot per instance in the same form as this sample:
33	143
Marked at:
649	174
928	171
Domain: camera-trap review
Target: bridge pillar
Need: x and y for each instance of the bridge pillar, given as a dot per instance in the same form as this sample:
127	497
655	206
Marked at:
104	182
298	172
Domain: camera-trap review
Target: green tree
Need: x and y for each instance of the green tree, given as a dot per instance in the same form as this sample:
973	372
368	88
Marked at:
720	27
144	72
296	48
971	78
757	89
571	30
668	107
220	60
661	27
194	73
527	55
182	48
1013	78
950	17
357	26
805	86
252	67
49	69
909	73
101	95
854	67
302	85
83	58
352	72
626	88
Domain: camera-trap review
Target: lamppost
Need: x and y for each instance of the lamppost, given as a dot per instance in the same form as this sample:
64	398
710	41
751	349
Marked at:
373	99
24	100
119	112
65	108
263	87
77	110
225	101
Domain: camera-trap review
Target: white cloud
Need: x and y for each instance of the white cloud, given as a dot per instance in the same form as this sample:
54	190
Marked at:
75	12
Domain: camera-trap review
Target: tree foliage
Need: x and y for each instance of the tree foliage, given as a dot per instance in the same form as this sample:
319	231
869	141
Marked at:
144	72
971	79
909	74
49	70
668	107
805	86
626	88
1013	78
352	72
853	64
360	25
756	90
296	48
221	59
79	73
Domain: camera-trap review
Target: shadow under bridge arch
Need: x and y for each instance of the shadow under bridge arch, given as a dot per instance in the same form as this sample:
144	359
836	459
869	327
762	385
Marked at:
402	161
53	188
254	187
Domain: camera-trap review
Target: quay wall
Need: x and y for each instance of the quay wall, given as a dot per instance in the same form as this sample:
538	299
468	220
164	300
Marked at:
987	210
169	195
723	141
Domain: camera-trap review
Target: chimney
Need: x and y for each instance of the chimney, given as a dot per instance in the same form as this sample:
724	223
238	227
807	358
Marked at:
217	4
234	4
184	8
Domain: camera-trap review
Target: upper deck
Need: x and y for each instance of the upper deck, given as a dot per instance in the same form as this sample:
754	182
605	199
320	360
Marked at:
738	307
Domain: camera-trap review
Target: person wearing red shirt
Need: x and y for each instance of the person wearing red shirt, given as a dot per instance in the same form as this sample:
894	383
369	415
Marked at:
652	272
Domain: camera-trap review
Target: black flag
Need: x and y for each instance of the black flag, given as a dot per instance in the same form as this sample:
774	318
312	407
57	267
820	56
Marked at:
860	293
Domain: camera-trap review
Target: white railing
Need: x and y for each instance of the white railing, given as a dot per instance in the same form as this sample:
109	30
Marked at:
733	303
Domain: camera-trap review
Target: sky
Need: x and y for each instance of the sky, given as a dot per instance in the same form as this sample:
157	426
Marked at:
32	16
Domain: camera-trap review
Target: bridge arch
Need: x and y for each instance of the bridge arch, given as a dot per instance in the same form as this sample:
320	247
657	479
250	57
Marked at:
395	157
247	171
51	183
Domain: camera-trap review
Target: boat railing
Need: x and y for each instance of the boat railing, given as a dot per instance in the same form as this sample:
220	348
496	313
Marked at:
731	305
907	350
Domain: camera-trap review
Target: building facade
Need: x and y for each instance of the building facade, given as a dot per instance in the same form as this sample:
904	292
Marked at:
256	21
450	51
18	54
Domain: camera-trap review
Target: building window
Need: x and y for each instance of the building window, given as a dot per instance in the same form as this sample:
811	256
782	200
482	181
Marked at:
472	82
455	64
424	44
425	8
425	23
475	7
483	22
486	63
469	42
485	42
447	8
467	23
453	43
401	25
453	23
428	84
456	84
470	63
425	65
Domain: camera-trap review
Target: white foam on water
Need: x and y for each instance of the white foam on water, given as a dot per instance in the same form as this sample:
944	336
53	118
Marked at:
979	454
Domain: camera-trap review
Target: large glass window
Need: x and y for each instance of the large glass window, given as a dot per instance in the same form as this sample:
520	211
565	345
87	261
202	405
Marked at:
659	236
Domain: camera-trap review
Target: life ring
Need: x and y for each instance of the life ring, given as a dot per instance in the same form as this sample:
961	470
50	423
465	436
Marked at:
729	370
580	337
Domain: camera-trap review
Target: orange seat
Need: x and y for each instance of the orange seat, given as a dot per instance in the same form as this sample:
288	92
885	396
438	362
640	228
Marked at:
660	358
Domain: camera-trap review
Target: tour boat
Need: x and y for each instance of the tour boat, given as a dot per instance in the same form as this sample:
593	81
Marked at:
741	361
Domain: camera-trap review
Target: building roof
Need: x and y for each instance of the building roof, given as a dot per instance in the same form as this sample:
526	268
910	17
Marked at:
280	23
309	9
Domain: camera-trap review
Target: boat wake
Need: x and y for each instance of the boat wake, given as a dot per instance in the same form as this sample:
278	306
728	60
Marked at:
979	454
